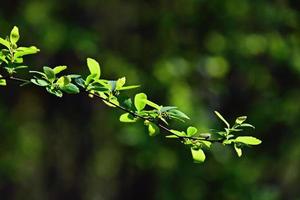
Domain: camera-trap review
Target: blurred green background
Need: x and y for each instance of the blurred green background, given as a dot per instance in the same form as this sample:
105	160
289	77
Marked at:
241	57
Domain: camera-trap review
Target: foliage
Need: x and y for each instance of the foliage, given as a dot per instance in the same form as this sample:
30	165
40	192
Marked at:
141	108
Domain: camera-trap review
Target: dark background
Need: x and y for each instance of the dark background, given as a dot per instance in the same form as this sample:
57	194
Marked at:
239	57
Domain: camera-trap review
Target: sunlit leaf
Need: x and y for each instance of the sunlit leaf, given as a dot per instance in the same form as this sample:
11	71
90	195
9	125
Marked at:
22	51
14	35
129	87
140	101
39	82
2	81
238	150
4	42
59	69
49	73
198	155
191	131
70	88
240	120
120	82
247	125
153	129
222	118
127	117
248	140
152	104
94	67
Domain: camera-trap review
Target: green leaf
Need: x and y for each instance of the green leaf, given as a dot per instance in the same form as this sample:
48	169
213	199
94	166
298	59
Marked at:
249	140
222	118
120	82
94	67
177	114
167	108
63	81
240	120
140	101
2	81
238	150
198	155
228	141
178	133
89	78
14	35
21	67
153	129
70	88
39	82
206	144
171	136
22	51
191	131
59	69
152	104
57	93
80	82
127	117
247	125
49	73
4	42
98	88
129	87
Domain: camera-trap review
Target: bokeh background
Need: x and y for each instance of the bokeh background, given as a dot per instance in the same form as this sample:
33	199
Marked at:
239	57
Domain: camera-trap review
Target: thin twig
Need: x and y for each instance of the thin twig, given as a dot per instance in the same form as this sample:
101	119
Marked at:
136	115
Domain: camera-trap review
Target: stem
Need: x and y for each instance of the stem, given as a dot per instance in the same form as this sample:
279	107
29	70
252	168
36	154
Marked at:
153	121
24	81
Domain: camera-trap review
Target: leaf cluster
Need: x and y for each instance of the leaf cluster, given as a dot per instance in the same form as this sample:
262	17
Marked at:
154	116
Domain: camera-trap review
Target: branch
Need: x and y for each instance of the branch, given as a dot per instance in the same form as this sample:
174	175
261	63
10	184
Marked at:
167	130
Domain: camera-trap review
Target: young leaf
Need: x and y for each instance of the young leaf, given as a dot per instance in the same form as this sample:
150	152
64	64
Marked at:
240	120
59	69
222	118
167	108
39	82
153	129
177	114
178	133
238	150
49	73
152	104
4	42
22	51
94	67
89	78
2	81
247	125
57	93
120	82
140	101
171	136
14	35
191	131
127	117
70	88
129	87
249	140
198	155
206	144
62	81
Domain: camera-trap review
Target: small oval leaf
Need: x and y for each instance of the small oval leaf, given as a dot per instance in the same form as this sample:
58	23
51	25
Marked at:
198	155
140	101
248	140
